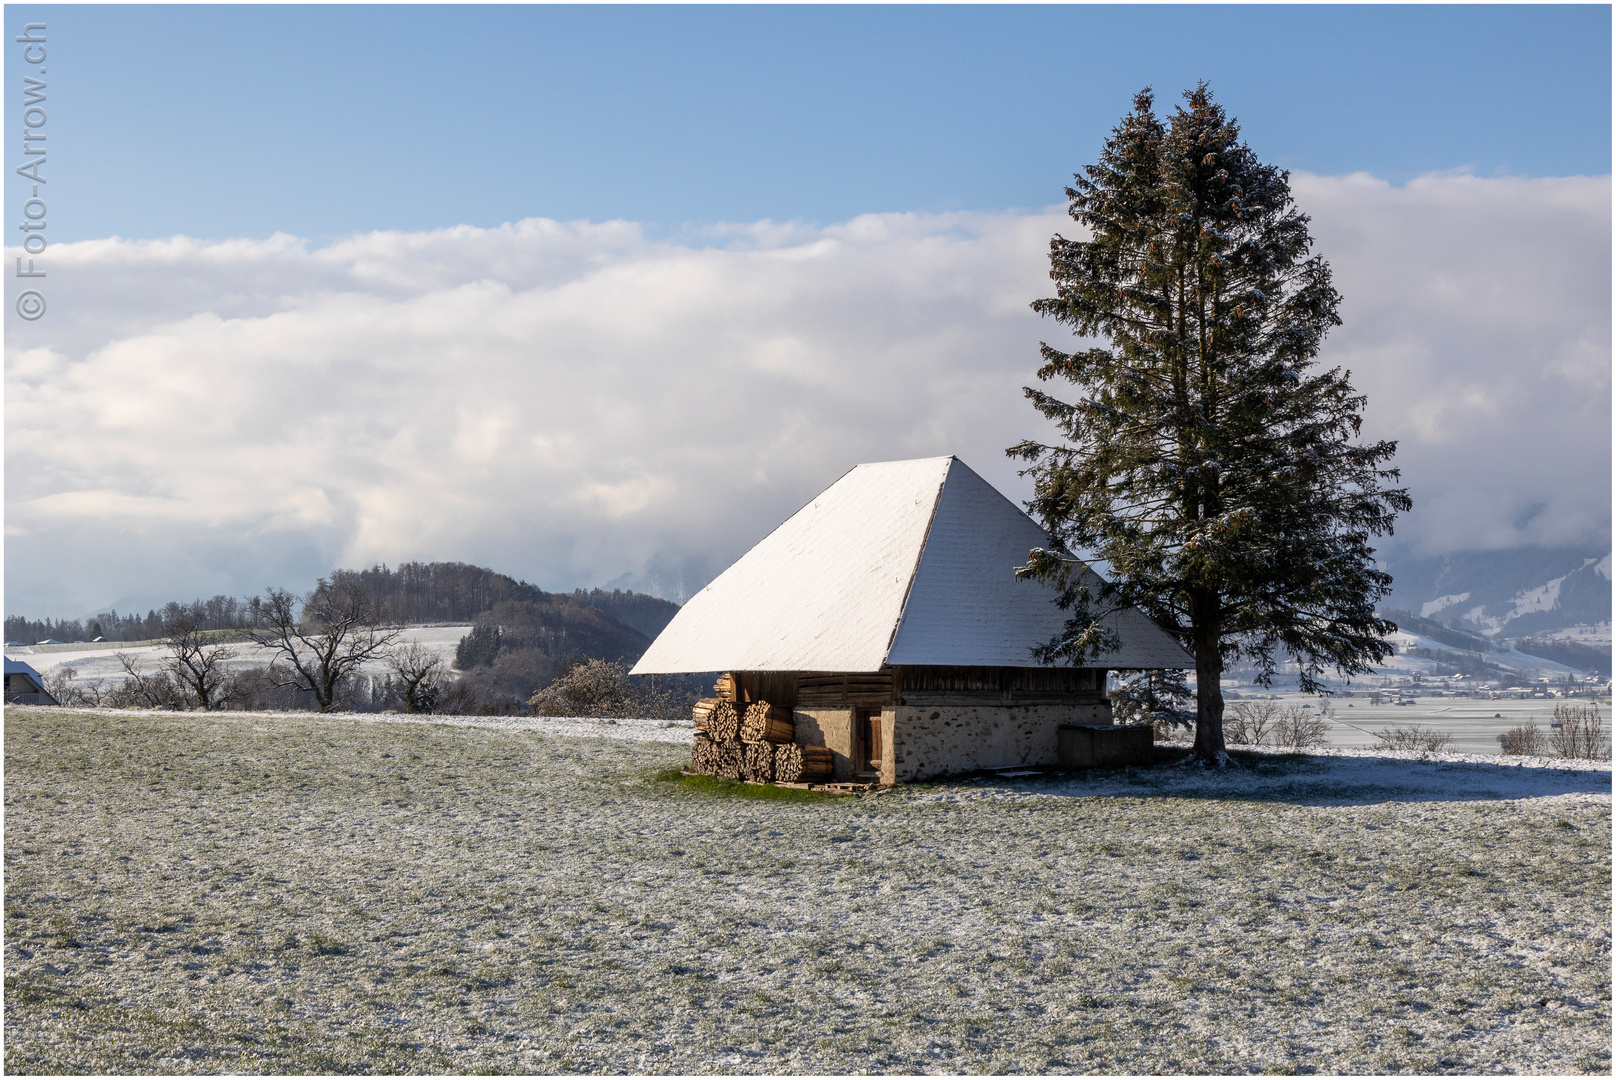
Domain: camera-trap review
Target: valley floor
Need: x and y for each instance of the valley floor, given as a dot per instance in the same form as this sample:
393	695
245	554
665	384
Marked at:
195	893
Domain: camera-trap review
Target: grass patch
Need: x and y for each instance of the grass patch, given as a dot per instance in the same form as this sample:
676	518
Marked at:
733	789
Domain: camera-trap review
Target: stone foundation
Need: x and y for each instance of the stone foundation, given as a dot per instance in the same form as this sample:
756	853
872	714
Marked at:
921	741
935	741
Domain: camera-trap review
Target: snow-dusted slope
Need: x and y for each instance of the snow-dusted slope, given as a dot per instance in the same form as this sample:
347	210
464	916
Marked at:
1522	592
1519	663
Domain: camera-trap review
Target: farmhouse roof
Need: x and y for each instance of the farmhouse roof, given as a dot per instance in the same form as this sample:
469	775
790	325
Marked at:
17	667
900	562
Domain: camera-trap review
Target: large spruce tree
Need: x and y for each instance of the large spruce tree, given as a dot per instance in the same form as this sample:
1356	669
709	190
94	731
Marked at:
1205	457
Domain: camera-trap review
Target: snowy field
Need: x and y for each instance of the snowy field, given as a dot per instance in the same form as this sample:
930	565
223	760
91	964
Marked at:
98	661
254	893
1474	724
191	893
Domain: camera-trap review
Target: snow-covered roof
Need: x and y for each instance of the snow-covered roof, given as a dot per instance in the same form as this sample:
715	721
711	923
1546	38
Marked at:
900	562
17	667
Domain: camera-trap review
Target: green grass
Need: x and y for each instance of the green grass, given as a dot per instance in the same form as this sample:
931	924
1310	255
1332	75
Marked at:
732	789
191	893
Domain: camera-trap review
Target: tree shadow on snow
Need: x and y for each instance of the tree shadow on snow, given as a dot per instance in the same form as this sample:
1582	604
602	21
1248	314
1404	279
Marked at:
1312	780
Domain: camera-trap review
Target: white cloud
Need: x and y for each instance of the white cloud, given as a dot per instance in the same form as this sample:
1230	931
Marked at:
1477	320
572	402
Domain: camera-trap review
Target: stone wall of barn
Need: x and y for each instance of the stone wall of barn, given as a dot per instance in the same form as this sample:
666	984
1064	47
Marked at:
928	741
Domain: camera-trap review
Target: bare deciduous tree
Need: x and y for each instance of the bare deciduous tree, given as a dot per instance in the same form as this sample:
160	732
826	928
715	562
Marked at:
1300	729
197	665
142	690
587	688
324	638
420	673
1578	731
61	685
603	688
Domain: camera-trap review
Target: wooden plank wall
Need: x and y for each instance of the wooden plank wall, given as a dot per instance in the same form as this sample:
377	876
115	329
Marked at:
915	685
775	687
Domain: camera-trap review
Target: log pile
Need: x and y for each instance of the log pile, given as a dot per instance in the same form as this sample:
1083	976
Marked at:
759	762
723	722
701	753
751	742
797	764
766	723
729	760
726	759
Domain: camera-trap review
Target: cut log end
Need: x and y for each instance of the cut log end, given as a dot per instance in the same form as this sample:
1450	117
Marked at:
724	722
767	723
759	762
701	754
732	757
794	763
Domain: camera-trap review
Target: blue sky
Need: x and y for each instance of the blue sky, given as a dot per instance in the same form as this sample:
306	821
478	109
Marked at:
323	121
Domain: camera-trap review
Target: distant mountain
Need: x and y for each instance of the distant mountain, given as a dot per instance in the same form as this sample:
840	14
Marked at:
1534	592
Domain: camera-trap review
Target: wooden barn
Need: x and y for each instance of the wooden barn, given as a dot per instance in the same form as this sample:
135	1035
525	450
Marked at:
883	622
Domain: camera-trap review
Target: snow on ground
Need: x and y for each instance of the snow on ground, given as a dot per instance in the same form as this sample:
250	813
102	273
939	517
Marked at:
1516	664
98	661
1474	723
275	894
1592	634
1521	664
1442	603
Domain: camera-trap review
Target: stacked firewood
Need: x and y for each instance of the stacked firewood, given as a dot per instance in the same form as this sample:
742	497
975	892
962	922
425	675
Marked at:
753	742
717	759
759	766
719	719
766	723
793	763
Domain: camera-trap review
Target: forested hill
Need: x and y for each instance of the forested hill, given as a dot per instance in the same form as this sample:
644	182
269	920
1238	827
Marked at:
647	614
521	636
459	592
437	592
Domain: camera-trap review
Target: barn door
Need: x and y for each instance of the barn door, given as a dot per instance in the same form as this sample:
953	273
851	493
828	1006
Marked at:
870	750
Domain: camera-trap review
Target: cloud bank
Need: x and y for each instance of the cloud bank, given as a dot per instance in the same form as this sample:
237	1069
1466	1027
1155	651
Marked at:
579	404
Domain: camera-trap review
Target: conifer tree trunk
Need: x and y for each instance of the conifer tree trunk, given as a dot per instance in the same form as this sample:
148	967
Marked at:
1209	747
